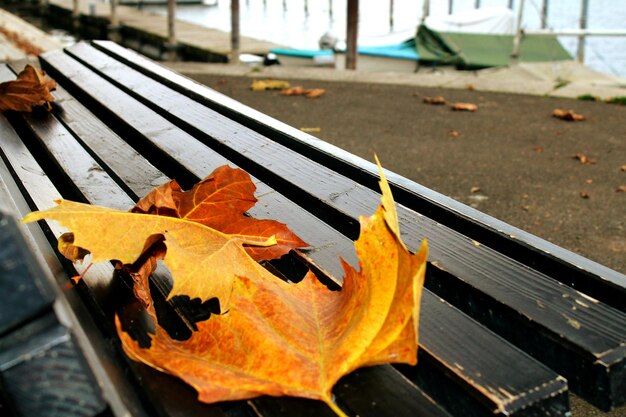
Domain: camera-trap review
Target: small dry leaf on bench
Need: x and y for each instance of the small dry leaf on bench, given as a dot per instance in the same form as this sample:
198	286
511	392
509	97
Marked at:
584	159
435	100
464	107
31	88
621	189
569	115
262	85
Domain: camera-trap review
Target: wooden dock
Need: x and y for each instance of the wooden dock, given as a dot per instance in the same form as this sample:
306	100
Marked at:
20	40
147	32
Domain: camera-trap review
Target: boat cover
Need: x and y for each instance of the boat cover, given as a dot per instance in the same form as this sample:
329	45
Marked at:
477	50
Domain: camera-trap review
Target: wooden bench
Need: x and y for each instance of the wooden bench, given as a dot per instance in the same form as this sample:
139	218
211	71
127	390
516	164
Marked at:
509	322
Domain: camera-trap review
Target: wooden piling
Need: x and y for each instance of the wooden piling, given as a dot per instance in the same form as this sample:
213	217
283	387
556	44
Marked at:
352	34
172	43
114	23
425	10
517	41
75	16
580	53
544	14
234	31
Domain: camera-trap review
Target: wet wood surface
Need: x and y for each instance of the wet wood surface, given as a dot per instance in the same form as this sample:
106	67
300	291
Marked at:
523	305
117	131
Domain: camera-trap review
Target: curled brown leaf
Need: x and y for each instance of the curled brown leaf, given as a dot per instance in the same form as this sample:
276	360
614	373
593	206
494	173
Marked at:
31	88
297	90
584	159
314	93
438	101
568	115
471	107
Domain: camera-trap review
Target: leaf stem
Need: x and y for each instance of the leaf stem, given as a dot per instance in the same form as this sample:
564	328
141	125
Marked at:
329	402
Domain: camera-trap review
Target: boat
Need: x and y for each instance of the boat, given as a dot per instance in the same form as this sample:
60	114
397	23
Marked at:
395	57
304	57
474	39
481	38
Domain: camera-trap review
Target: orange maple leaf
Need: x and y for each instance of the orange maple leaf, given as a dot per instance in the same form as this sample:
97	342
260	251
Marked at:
220	201
299	339
31	88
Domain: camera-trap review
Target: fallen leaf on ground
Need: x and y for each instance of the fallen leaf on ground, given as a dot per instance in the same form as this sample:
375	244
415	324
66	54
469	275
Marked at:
300	91
470	87
569	115
262	85
621	189
538	149
623	169
203	261
299	339
311	129
435	100
464	107
293	91
314	93
475	189
589	181
454	133
584	194
21	42
584	159
31	88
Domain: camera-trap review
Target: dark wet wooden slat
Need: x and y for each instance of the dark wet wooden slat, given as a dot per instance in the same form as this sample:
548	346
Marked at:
194	156
583	274
40	192
482	282
102	141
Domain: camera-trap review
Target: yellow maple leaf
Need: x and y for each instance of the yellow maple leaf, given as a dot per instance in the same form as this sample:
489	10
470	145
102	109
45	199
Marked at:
202	261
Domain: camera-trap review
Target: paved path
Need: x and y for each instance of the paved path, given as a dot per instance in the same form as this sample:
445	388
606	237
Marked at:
558	79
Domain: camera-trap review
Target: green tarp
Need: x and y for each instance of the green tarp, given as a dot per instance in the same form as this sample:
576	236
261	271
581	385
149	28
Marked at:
473	51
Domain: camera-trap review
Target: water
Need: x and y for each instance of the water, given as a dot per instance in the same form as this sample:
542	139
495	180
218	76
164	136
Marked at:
286	22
